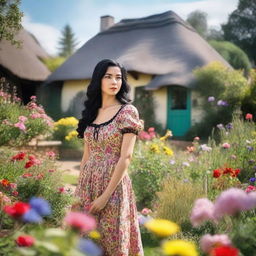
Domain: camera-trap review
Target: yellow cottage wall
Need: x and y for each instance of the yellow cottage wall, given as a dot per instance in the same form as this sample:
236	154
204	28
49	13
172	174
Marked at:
72	87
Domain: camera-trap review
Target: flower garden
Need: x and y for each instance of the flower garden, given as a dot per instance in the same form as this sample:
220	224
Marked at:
198	201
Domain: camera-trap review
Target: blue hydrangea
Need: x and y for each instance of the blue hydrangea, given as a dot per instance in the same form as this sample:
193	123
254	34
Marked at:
88	247
41	206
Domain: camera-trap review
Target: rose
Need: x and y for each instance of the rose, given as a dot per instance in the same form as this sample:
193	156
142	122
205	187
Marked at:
25	241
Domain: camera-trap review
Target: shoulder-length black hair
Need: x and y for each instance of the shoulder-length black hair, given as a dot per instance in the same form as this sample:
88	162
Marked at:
94	98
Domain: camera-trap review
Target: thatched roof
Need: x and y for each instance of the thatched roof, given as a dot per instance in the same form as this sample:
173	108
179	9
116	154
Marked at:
162	45
24	62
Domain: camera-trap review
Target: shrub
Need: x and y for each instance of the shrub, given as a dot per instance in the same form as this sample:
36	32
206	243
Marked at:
19	124
221	91
234	55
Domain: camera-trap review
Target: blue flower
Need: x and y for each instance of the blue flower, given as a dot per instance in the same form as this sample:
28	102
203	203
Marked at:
32	216
252	179
88	247
40	205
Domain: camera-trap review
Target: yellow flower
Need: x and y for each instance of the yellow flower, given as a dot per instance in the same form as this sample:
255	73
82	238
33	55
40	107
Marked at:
154	148
67	121
179	248
167	135
167	151
162	227
94	234
71	135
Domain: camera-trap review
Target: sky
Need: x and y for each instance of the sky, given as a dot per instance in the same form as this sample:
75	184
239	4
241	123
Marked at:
47	18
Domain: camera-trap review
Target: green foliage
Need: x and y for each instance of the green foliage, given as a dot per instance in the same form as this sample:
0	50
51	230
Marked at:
10	20
145	104
198	20
249	101
236	57
240	28
148	169
53	63
67	42
40	182
218	81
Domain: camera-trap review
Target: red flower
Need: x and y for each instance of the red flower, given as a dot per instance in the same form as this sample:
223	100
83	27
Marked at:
29	164
19	156
26	175
5	182
224	251
228	171
216	173
25	241
16	210
15	193
235	172
248	116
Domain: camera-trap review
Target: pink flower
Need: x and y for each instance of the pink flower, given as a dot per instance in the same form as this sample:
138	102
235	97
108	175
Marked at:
197	138
151	129
226	145
208	242
51	170
231	202
248	116
15	193
23	119
250	188
33	97
35	115
21	126
144	136
50	154
61	190
202	211
81	221
145	211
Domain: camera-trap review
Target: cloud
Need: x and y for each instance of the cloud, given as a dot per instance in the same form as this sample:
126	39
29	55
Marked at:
85	16
47	35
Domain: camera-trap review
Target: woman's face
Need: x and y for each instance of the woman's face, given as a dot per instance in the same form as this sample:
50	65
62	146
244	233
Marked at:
111	82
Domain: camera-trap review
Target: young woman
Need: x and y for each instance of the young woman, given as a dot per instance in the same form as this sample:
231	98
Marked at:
109	126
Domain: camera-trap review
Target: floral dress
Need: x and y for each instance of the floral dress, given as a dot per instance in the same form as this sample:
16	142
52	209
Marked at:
118	220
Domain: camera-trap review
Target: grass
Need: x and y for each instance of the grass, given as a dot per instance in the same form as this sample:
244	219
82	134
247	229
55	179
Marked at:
70	179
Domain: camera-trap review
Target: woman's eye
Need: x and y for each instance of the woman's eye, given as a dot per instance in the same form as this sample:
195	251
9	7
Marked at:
118	78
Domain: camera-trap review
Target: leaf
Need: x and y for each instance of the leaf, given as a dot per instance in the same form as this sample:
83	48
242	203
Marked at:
49	246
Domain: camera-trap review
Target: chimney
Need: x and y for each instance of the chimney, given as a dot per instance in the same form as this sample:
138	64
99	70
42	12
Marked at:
106	22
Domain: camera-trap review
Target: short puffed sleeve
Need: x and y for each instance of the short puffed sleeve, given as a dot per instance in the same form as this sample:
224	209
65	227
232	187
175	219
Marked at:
129	121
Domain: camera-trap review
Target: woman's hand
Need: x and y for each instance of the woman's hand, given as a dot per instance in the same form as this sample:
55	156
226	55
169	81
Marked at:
98	204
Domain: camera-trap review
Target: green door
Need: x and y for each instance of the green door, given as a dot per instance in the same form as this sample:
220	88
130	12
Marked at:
179	110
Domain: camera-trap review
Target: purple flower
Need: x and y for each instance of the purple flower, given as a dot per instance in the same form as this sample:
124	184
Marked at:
40	205
32	216
143	219
229	126
88	247
250	148
211	99
204	147
251	161
222	103
252	179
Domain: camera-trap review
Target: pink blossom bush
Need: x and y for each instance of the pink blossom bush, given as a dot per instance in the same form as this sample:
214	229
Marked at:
202	211
208	242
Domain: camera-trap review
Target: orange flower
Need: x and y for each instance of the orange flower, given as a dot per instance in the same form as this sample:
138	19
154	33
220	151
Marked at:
5	182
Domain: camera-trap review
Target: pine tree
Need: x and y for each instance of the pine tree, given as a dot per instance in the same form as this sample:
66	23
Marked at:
67	42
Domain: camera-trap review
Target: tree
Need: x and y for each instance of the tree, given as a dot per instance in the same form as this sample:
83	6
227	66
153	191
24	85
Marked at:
241	27
67	42
215	34
10	20
198	20
234	55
